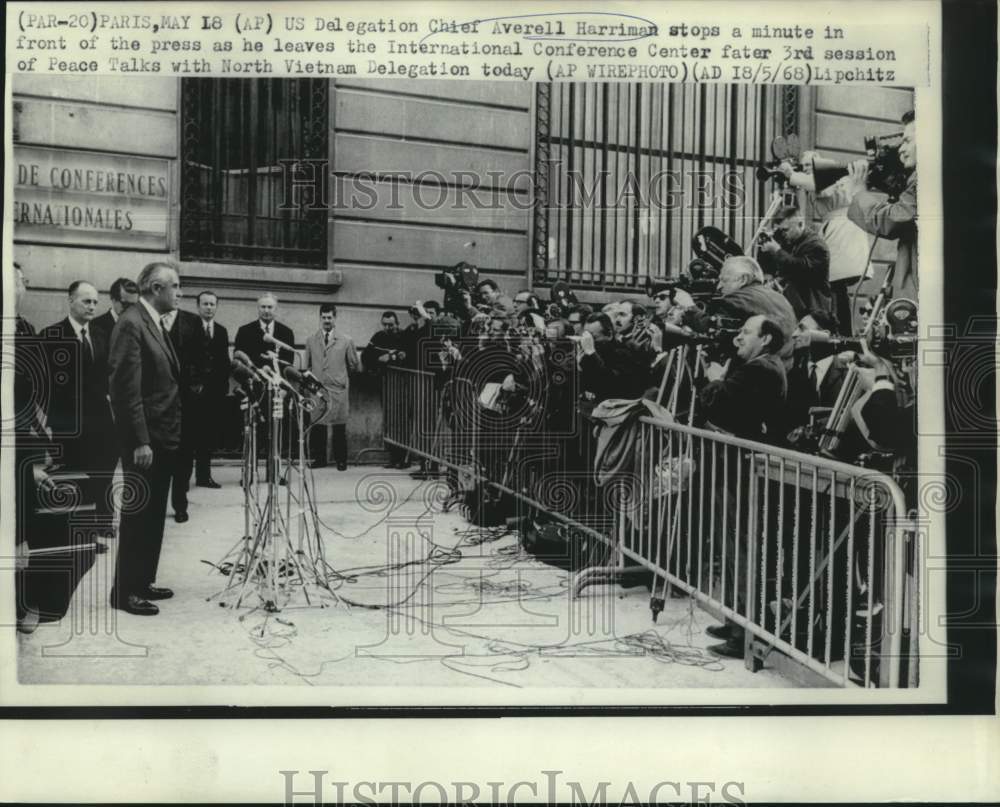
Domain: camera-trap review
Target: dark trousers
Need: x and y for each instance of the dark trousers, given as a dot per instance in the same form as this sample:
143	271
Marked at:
180	482
198	439
317	444
143	511
208	434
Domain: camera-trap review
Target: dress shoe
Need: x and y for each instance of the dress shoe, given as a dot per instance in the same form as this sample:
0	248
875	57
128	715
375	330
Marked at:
718	631
99	548
28	621
209	483
341	466
180	518
728	649
134	604
155	593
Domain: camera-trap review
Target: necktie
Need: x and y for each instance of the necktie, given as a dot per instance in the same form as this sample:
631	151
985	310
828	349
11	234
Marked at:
88	349
326	338
166	335
208	330
813	379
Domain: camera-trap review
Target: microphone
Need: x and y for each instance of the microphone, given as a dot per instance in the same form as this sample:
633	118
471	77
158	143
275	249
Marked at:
306	379
244	364
275	357
243	374
239	355
279	343
277	380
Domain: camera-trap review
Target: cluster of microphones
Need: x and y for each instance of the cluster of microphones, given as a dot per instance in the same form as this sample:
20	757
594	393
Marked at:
280	373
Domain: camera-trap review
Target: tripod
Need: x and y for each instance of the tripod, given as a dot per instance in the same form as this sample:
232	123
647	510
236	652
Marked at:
684	362
264	561
777	200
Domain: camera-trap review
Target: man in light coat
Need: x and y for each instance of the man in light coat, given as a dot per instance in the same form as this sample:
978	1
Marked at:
331	357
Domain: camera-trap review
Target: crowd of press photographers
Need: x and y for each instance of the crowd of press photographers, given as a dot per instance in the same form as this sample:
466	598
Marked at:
777	332
767	342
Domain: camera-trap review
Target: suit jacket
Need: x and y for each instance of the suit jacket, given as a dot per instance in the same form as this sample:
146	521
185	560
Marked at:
753	299
750	401
613	371
144	382
188	336
250	339
381	344
78	401
106	322
213	360
805	266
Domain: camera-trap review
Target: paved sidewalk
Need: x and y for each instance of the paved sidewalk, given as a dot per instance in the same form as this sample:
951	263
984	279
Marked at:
481	614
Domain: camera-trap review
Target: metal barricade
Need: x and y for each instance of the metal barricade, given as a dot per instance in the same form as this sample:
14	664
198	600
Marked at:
810	556
412	410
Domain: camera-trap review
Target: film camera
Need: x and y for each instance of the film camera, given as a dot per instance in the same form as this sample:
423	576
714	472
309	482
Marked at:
699	280
886	172
462	277
893	337
718	338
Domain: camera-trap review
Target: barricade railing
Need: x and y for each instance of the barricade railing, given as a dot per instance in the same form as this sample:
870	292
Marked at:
809	556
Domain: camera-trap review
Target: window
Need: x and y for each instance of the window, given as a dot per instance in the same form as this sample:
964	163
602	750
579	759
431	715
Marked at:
627	173
236	132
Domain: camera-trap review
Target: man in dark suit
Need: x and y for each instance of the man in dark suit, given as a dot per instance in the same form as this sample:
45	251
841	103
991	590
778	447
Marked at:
123	293
250	338
747	399
186	336
146	398
213	356
78	411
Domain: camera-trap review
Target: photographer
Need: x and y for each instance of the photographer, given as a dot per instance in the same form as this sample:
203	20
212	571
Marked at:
812	381
800	259
491	296
848	243
577	318
386	349
747	396
887	218
742	295
608	369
